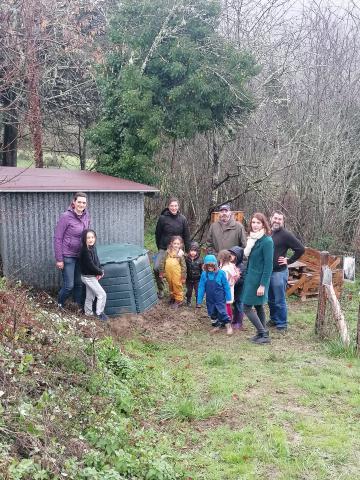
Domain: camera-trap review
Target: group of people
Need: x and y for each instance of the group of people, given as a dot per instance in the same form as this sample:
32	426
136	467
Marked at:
238	275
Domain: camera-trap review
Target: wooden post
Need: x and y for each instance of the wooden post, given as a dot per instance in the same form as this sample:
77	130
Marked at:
358	334
320	316
338	314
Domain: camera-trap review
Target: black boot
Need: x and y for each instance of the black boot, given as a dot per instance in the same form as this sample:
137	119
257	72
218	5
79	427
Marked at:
263	338
255	337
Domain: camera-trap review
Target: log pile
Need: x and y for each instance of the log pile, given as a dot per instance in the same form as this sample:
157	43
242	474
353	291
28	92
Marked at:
304	275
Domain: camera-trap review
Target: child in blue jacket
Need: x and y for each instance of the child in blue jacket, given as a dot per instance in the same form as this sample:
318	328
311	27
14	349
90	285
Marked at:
214	285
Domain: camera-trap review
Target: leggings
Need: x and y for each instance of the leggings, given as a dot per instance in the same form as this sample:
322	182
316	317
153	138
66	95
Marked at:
258	318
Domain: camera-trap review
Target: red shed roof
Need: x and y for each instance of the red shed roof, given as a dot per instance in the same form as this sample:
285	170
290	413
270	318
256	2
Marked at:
14	179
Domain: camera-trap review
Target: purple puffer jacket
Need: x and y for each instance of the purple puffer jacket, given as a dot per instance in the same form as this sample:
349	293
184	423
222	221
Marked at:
68	231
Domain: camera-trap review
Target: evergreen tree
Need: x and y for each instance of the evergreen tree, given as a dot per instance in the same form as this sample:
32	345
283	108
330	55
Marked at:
169	75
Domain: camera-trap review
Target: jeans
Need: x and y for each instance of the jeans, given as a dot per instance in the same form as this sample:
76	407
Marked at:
71	281
277	298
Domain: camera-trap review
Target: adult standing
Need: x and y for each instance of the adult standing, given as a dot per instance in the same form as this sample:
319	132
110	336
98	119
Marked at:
283	241
170	223
67	246
226	232
259	251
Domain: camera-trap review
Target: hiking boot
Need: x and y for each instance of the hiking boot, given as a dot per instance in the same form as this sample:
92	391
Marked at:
229	330
102	317
255	337
264	338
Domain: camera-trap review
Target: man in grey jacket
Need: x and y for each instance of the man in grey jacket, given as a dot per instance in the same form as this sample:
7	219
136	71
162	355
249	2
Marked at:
226	232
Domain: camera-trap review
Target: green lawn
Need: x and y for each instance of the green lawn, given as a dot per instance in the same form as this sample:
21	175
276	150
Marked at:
227	409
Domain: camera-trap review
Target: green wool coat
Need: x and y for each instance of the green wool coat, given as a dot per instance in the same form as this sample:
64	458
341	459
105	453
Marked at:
258	271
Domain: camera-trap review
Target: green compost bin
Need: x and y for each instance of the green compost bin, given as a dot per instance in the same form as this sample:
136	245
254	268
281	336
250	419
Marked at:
128	280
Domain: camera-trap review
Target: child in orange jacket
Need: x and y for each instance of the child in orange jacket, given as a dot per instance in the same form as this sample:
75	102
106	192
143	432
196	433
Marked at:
173	267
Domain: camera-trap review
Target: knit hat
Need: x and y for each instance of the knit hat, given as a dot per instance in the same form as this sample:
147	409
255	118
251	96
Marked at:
194	246
210	259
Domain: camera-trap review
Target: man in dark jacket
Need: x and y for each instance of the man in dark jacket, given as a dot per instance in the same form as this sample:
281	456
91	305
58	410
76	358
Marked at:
171	222
283	241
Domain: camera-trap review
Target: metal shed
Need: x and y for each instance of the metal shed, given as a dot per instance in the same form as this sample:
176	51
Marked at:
31	202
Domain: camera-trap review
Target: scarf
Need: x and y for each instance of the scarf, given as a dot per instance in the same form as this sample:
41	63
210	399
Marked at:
252	240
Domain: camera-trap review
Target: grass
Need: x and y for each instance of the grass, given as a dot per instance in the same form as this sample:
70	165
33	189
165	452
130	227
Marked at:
286	411
25	159
193	406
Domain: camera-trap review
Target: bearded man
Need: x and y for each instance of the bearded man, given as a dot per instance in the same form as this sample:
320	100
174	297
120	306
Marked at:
283	241
226	232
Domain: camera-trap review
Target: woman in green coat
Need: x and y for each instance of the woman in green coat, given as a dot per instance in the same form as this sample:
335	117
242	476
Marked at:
259	251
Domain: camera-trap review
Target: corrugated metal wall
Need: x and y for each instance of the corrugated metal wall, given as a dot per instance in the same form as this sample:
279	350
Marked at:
28	221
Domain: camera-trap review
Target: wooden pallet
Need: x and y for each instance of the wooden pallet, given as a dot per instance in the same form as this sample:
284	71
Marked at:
238	215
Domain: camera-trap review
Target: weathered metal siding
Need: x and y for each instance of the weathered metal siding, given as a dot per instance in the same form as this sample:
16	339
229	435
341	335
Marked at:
28	221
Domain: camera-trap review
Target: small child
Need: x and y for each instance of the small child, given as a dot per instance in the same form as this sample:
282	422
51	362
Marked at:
232	275
173	267
91	274
214	284
194	265
237	257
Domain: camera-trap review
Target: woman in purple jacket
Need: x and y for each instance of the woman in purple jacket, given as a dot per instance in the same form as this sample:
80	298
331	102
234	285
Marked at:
67	245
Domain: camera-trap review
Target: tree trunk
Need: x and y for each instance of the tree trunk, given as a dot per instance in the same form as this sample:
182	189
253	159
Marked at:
31	21
215	171
9	148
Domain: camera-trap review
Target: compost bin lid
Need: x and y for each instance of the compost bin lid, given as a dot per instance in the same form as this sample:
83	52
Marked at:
119	252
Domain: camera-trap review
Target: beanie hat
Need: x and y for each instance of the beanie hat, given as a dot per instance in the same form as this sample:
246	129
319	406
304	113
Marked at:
210	259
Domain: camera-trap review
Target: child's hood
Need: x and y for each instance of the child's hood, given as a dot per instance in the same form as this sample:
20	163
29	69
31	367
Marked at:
239	254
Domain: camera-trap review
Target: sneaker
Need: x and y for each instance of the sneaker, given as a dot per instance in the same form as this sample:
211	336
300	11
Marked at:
102	317
229	330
